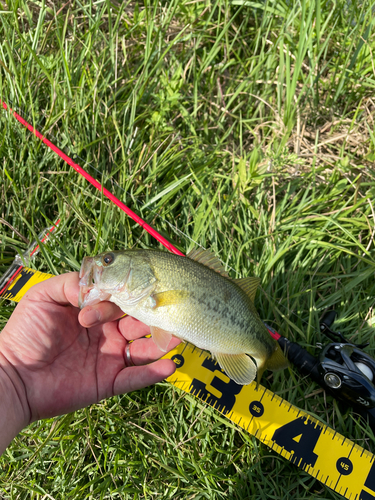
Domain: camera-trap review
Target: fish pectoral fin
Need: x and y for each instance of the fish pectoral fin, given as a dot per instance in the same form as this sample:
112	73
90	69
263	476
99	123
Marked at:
239	367
169	298
248	285
161	337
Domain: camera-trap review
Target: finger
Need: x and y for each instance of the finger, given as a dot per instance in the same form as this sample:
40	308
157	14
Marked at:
133	329
144	351
137	377
100	313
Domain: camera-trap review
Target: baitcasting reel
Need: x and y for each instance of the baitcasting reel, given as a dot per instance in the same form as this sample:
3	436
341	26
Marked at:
343	368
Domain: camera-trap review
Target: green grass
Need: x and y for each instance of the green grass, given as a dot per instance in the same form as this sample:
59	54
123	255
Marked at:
246	127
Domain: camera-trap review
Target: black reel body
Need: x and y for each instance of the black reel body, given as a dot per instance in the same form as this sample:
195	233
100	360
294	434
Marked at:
342	368
348	373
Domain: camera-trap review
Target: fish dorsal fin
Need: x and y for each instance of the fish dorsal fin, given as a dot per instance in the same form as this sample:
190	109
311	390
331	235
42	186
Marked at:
208	259
248	285
238	367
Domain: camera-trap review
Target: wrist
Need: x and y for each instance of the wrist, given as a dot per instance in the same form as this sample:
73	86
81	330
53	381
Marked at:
14	411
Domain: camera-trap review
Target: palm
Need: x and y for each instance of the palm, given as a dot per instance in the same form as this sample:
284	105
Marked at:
61	361
65	366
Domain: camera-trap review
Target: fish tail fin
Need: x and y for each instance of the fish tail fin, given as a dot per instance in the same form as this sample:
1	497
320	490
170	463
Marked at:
277	361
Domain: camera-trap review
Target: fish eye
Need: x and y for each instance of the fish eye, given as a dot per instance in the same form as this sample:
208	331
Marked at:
108	258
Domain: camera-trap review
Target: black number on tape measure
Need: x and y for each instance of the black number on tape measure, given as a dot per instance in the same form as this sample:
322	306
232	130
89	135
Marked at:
19	283
344	466
370	484
299	437
178	359
256	408
364	495
228	390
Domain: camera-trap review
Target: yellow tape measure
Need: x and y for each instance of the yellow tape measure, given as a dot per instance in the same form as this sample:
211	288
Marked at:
23	282
337	462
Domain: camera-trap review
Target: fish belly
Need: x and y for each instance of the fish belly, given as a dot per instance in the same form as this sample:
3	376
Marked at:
214	329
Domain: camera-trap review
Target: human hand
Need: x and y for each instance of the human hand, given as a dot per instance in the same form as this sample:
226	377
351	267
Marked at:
60	359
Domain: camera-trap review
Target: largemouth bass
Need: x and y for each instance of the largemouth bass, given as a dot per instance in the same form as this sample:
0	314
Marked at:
191	298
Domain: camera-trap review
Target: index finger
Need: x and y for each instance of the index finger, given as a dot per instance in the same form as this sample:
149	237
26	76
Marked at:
100	313
132	329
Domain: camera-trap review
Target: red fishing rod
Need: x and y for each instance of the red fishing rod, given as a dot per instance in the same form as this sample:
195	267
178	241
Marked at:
95	183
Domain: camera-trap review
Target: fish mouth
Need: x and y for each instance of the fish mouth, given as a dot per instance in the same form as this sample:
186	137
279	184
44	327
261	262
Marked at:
89	279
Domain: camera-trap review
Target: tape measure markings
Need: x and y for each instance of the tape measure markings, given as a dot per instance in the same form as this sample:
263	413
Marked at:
290	431
22	282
